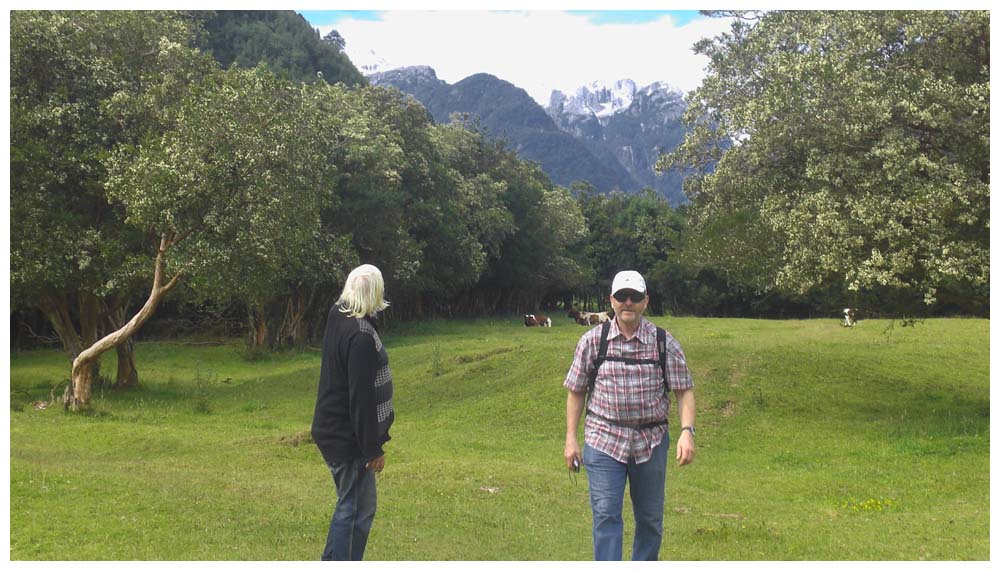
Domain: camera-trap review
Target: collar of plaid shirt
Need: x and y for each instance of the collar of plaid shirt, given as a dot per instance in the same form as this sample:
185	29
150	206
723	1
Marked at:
646	332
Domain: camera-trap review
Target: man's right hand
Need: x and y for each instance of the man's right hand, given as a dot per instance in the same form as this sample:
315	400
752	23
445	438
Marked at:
572	451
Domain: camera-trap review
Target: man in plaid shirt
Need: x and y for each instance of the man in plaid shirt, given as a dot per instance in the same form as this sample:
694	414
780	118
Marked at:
626	435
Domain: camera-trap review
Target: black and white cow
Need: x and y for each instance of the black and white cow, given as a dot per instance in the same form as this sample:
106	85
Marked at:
850	317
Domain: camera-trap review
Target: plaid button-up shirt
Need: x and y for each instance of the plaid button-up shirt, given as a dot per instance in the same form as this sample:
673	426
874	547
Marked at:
627	394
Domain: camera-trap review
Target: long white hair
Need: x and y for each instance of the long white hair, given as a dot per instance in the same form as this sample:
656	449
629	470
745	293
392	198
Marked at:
363	293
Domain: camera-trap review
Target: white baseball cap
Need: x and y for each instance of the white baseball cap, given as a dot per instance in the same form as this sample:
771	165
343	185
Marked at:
628	279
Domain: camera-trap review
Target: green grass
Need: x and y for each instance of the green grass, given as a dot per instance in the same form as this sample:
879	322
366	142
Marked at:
814	442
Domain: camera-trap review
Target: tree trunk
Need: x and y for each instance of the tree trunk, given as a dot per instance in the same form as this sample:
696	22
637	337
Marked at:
293	309
128	375
78	393
56	310
257	315
89	317
55	306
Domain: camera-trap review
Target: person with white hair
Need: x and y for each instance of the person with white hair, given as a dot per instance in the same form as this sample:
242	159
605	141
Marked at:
354	410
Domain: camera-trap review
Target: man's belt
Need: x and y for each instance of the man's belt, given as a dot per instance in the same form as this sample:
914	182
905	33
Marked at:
653	424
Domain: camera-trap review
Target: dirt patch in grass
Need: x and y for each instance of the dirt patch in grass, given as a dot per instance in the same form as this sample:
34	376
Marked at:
728	408
297	439
483	356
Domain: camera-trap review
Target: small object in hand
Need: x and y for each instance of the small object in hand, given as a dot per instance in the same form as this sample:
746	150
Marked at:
572	471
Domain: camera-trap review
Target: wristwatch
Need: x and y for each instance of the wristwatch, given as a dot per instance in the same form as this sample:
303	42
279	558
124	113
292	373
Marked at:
688	428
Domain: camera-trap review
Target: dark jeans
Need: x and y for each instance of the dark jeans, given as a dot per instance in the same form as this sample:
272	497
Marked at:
646	481
355	511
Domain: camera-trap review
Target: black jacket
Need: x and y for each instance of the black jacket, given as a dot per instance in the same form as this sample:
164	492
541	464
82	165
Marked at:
354	401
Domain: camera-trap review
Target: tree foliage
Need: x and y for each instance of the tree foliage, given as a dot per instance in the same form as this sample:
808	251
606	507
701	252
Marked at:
639	231
282	40
859	151
71	254
235	183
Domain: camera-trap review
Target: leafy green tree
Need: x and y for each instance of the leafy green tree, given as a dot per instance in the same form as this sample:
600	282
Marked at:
72	256
416	201
637	231
537	260
283	40
363	152
234	182
334	37
465	220
858	151
371	204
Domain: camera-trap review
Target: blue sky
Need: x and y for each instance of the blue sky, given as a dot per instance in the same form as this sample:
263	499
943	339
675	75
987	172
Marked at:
328	17
538	51
636	16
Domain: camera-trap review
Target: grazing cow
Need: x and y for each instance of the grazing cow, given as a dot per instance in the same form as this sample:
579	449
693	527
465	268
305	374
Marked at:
849	317
539	320
588	318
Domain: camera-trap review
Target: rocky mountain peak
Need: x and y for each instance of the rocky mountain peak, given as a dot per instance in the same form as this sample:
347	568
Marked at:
610	134
596	98
601	100
411	74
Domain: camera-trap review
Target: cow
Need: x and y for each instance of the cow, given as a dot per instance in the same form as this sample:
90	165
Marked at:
588	318
850	317
537	320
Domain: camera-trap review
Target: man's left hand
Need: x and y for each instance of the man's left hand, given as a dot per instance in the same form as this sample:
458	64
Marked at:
376	465
685	448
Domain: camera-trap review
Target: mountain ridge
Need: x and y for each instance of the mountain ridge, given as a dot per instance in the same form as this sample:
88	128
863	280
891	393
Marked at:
609	136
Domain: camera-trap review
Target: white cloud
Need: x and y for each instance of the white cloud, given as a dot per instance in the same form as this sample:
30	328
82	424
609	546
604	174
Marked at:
536	50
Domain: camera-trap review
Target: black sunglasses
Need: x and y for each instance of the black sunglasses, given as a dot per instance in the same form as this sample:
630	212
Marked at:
624	294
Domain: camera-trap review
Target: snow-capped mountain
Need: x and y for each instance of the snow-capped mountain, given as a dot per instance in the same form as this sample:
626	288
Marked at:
602	101
596	98
507	111
608	134
633	123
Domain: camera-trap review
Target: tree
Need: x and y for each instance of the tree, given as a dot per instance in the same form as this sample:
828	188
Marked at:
363	159
537	260
283	40
858	151
636	231
334	37
72	256
234	182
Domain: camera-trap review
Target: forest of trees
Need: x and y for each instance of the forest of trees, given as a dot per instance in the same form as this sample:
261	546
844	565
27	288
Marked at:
194	165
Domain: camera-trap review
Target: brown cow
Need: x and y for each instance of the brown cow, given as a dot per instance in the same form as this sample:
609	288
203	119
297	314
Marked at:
537	320
589	318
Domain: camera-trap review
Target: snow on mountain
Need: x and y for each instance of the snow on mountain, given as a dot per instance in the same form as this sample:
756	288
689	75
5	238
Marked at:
635	124
602	101
598	98
610	134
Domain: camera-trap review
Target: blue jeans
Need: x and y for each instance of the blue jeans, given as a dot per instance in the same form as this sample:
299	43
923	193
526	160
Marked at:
646	481
355	511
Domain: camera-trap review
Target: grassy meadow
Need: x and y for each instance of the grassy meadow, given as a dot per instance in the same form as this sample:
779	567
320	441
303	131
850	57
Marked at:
815	442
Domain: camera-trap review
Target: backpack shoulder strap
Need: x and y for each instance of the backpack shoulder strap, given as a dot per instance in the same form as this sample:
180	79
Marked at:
602	355
661	347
